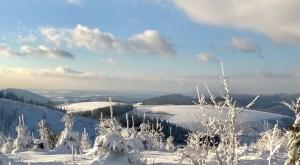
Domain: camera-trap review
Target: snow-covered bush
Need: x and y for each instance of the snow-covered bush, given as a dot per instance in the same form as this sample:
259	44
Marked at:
224	125
8	146
112	147
293	134
150	137
23	140
69	139
270	142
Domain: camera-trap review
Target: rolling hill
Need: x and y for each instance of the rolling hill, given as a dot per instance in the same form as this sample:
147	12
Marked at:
27	96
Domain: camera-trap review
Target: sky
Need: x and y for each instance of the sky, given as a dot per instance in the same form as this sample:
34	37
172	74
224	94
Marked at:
150	45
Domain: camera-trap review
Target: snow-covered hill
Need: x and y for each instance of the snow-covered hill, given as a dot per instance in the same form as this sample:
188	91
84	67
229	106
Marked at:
28	96
87	106
189	115
10	110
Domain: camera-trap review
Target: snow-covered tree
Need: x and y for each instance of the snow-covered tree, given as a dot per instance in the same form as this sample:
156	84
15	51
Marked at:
222	127
270	142
170	142
69	139
150	137
112	146
8	146
127	132
3	139
85	141
44	133
23	140
293	134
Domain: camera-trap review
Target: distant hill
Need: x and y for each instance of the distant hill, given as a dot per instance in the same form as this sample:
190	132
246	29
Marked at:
171	99
268	103
265	103
27	96
10	110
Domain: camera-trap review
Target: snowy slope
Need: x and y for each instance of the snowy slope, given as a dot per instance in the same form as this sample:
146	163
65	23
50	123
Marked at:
10	110
189	115
27	95
87	106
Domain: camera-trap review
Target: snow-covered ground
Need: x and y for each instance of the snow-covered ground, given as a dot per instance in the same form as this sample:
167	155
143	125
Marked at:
87	106
189	115
151	157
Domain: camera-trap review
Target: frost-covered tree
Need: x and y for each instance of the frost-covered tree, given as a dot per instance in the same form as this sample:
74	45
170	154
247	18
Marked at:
128	132
222	128
69	139
85	141
112	147
150	137
44	133
293	134
170	142
3	139
23	140
7	148
270	142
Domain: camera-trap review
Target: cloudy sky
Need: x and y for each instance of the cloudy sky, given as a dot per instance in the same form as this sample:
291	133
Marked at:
150	45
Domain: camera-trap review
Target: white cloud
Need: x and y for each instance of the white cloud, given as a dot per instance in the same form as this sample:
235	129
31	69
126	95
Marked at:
204	57
278	19
7	51
41	50
46	51
149	42
244	45
57	72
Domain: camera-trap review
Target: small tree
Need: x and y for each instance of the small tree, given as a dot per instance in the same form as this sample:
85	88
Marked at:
44	132
270	142
224	124
7	148
69	139
85	142
112	146
23	140
170	142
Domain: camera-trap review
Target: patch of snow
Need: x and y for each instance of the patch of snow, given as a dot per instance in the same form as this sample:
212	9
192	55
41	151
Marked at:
88	106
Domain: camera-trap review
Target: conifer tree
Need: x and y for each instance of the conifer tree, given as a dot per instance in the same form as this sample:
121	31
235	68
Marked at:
85	142
44	132
23	140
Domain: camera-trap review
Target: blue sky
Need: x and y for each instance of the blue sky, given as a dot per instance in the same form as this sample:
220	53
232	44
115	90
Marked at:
143	45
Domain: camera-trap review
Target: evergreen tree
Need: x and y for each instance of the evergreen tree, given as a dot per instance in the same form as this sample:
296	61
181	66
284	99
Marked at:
69	139
23	140
44	132
85	142
170	142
